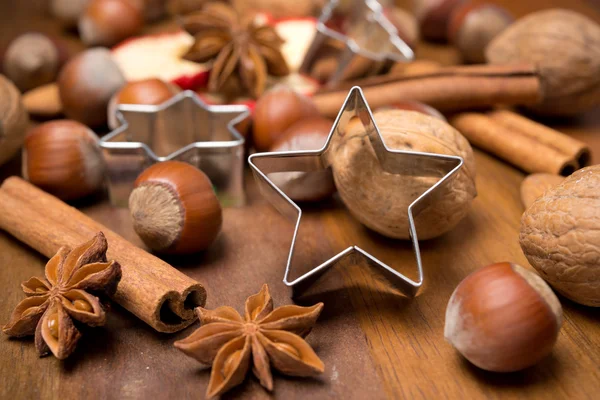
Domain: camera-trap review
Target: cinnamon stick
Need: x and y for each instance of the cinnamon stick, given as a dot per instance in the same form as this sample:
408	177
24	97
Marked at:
513	146
575	149
151	289
446	89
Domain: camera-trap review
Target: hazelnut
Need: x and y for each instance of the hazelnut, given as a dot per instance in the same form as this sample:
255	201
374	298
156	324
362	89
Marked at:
275	111
307	134
63	158
473	26
503	318
107	22
86	84
151	91
32	60
378	199
434	17
560	236
174	208
13	120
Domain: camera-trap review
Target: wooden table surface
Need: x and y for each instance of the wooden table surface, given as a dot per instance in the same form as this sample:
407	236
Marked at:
375	343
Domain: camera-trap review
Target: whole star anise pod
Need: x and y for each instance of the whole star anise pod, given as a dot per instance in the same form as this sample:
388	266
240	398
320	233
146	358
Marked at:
52	303
267	336
240	47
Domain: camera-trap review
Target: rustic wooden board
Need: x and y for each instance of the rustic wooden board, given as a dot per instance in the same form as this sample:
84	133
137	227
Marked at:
375	343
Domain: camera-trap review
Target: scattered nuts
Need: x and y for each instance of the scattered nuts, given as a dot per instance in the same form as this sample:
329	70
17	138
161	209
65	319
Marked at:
62	157
569	63
86	84
535	185
307	134
13	120
275	111
503	318
473	26
434	17
379	199
174	208
31	60
107	22
559	236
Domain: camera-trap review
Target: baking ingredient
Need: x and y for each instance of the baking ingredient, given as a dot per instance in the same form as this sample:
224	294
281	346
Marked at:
446	88
416	67
569	62
535	185
107	22
159	56
379	199
306	134
280	8
68	11
268	337
86	84
151	289
415	106
175	209
434	17
503	318
277	110
559	236
13	120
73	280
31	60
244	52
43	101
473	26
63	158
151	91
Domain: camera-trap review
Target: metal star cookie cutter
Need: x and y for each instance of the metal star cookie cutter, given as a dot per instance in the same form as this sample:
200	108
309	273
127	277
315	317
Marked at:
183	128
393	161
369	34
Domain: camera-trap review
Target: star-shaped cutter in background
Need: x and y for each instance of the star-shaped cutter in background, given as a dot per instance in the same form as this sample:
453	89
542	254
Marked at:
183	128
392	161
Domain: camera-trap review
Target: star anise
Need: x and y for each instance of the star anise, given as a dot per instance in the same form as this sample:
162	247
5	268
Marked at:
52	303
241	48
269	337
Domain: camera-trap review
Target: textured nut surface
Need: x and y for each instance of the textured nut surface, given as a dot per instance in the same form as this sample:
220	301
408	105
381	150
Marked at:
560	236
379	199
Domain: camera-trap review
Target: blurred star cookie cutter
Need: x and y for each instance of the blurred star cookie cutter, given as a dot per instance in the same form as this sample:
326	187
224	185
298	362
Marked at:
393	161
369	34
183	128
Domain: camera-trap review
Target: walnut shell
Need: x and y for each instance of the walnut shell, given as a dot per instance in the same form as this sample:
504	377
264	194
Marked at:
379	199
560	236
13	120
565	46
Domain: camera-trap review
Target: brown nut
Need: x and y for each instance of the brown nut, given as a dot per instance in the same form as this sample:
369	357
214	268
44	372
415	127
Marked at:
473	26
434	17
13	120
379	199
174	208
107	22
62	157
307	134
86	84
559	236
277	110
417	106
503	318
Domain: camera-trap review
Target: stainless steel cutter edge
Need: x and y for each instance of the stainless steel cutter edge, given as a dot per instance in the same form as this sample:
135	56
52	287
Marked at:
394	161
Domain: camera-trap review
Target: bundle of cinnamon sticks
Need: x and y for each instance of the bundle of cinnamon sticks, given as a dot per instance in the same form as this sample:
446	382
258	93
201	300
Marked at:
524	143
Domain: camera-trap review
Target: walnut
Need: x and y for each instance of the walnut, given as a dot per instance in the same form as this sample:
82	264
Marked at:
560	236
379	199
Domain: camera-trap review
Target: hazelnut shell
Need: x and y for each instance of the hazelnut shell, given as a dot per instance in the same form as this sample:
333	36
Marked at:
107	22
503	318
13	120
174	208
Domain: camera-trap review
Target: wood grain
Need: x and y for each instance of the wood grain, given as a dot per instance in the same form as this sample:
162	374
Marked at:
375	344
